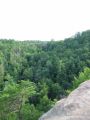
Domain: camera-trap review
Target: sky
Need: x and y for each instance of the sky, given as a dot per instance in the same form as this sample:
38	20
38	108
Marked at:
43	19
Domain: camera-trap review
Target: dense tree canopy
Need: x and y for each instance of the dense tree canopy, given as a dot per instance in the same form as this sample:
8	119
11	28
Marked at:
34	74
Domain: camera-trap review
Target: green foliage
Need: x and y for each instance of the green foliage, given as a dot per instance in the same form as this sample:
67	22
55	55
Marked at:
13	98
29	112
83	76
45	104
1	76
34	73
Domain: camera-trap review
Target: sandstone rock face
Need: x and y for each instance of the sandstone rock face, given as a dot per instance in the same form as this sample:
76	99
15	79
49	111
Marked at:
75	107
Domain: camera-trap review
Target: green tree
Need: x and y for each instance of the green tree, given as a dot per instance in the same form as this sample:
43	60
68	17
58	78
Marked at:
83	76
13	98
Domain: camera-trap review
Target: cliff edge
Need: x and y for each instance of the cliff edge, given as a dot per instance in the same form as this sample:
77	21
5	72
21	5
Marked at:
75	107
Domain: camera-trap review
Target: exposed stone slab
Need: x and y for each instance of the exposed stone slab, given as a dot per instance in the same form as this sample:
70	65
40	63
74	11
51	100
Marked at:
75	107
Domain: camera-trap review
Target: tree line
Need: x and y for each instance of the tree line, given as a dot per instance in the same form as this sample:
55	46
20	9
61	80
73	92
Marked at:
35	74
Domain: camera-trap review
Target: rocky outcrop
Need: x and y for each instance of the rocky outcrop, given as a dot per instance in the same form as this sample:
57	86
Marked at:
75	107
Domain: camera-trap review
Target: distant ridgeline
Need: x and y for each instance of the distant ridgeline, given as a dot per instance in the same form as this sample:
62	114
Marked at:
47	69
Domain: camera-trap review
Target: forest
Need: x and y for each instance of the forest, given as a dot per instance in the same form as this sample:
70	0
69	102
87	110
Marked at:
35	74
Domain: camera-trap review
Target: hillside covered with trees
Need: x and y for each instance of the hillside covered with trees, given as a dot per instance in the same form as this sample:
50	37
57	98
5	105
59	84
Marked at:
35	74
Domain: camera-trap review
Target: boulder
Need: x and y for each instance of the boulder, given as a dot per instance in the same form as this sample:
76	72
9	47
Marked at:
75	107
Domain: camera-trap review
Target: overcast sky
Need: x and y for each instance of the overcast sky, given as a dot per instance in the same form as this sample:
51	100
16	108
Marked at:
43	19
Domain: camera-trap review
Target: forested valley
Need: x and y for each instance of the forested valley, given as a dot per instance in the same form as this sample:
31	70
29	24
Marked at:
35	74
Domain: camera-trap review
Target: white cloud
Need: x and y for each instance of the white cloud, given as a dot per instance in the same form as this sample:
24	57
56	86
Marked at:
43	19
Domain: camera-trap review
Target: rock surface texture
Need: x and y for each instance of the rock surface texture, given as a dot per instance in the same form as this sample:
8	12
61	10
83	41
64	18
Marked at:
75	107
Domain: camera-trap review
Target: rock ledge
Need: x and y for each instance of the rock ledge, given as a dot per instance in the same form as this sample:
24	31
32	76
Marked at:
75	107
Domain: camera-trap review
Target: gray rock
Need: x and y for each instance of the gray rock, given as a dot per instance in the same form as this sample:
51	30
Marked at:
75	107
